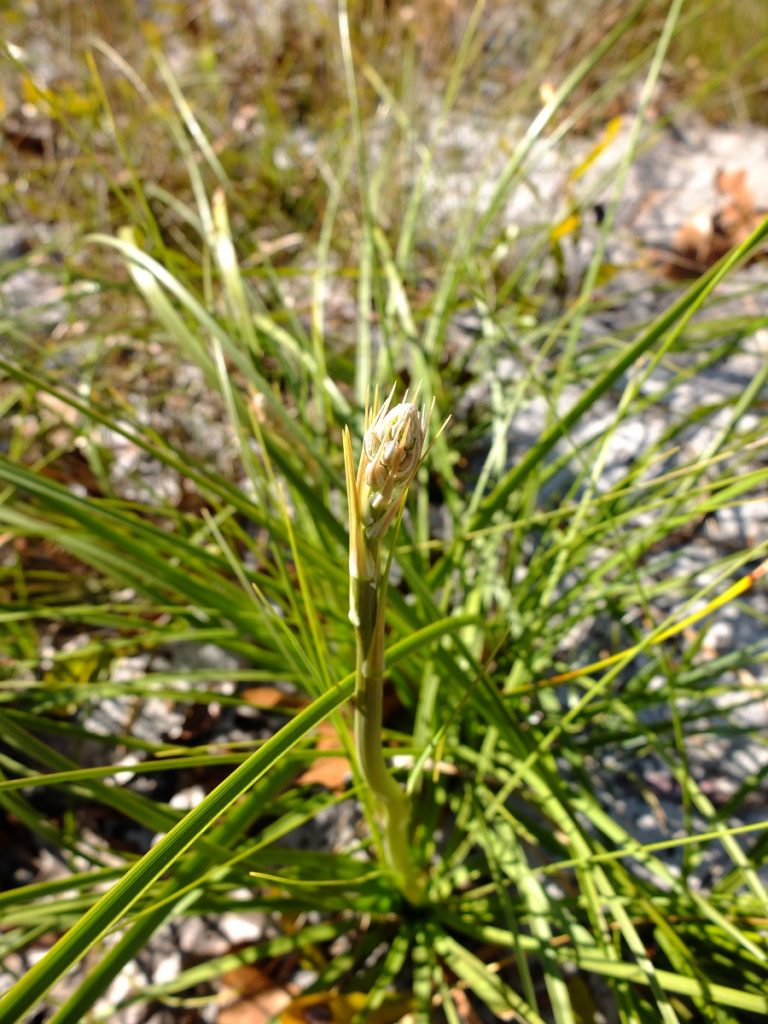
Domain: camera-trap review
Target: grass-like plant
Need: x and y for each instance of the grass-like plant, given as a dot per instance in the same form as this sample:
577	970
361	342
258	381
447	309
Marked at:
539	620
393	443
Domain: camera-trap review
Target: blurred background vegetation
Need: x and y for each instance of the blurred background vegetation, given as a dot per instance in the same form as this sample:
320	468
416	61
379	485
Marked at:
254	71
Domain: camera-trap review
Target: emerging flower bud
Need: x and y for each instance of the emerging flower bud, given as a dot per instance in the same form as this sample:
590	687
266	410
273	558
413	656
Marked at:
391	455
393	448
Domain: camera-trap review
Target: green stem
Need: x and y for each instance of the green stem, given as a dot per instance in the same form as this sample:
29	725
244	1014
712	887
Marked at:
390	802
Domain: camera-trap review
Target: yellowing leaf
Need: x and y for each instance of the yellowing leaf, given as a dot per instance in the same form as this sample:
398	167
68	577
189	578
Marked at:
343	1008
609	134
64	99
734	591
30	92
566	227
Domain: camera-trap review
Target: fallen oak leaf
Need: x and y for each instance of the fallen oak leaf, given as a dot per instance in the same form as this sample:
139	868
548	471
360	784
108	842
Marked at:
253	995
267	698
328	771
712	232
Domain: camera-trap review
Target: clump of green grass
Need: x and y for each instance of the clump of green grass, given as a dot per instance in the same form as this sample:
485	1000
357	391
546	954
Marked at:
535	891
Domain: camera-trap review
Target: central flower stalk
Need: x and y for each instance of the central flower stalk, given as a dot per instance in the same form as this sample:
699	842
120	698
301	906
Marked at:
392	452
